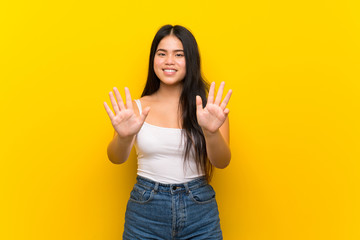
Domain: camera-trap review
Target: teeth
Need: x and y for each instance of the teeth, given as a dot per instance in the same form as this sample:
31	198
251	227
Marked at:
169	70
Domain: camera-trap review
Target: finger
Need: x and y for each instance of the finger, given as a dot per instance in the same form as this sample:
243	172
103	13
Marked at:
114	104
119	99
128	98
108	110
219	94
144	114
226	100
199	106
211	93
226	112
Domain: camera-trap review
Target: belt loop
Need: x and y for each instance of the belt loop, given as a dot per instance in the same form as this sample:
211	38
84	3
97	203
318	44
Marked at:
187	188
156	187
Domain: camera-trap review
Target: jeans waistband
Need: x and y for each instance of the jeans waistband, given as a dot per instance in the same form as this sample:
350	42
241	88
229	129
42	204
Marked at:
176	187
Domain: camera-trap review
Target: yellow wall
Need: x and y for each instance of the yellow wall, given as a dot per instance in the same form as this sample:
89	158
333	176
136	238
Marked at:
294	114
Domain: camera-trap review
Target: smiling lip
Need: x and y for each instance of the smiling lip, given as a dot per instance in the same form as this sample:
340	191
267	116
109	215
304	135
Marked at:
169	71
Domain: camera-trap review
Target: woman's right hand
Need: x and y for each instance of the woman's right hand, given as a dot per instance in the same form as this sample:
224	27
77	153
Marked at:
125	121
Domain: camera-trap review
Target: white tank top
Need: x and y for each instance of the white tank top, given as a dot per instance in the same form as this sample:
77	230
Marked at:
160	154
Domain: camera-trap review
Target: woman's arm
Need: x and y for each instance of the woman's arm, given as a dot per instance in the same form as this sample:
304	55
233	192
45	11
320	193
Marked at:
119	148
215	126
217	146
126	124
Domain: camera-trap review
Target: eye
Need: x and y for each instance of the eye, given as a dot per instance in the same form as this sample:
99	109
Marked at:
161	54
179	55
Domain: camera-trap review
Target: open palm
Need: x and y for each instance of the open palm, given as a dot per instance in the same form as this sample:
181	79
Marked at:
124	121
215	112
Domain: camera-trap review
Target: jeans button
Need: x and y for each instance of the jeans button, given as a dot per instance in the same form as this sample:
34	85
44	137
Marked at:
174	188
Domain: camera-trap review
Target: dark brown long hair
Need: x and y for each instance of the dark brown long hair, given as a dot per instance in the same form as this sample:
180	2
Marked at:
193	84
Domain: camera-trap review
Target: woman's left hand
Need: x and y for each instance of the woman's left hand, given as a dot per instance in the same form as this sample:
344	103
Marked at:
214	114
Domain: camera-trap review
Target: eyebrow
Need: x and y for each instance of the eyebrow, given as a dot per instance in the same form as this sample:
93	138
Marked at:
164	50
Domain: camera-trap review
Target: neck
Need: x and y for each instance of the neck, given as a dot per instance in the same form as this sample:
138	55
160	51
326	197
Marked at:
169	92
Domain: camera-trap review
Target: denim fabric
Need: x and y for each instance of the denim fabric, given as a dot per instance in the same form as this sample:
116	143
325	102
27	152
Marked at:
172	211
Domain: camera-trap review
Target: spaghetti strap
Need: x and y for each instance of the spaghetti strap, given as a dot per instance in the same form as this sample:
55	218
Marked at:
138	103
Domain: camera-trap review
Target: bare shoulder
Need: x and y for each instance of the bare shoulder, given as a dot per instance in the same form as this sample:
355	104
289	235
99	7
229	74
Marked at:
146	101
135	108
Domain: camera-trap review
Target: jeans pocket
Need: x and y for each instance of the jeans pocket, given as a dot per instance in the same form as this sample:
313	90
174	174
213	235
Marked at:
203	194
141	194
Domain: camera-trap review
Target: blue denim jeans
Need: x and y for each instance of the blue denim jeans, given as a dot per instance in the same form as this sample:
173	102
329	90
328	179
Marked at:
172	211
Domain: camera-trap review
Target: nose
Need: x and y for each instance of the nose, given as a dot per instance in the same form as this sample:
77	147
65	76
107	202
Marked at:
169	60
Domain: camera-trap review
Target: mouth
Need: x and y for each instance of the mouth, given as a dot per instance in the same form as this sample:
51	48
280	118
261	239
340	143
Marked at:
169	70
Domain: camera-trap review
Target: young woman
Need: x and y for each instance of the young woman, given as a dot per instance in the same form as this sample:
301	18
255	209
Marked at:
185	134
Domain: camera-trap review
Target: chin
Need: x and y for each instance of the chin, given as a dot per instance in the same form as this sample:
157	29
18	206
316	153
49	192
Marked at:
171	83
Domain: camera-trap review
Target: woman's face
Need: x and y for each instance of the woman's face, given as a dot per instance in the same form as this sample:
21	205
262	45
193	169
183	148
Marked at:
169	61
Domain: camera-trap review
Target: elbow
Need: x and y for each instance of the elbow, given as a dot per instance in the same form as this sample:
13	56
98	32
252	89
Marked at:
223	163
110	157
113	158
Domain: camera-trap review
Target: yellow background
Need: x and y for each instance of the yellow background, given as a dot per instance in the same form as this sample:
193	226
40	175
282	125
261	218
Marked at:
294	114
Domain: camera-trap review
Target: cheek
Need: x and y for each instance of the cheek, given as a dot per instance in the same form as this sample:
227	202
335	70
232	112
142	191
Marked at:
184	67
157	65
156	62
182	64
183	70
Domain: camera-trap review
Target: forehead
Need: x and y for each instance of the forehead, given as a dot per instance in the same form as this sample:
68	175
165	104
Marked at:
170	42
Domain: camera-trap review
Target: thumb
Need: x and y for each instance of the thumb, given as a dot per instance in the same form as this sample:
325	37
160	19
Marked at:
198	103
144	114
